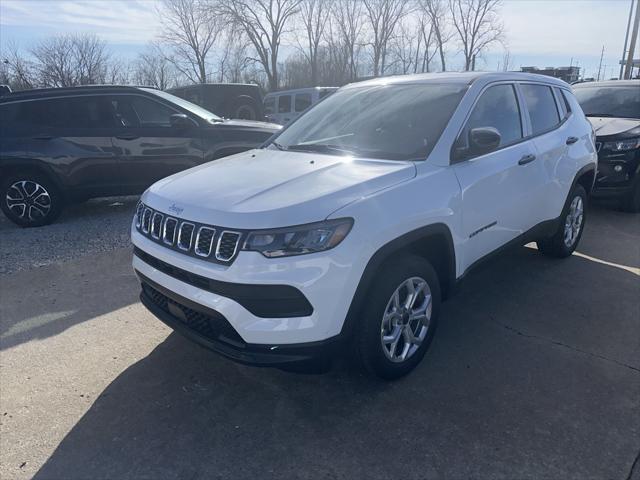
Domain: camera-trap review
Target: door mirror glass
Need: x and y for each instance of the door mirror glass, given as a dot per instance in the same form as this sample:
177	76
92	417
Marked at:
483	140
180	120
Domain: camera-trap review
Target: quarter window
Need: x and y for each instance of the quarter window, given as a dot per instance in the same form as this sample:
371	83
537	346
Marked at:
284	104
497	107
543	111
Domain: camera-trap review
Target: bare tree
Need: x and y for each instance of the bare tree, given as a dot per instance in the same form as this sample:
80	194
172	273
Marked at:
314	15
191	29
383	18
154	68
234	60
436	10
17	69
413	47
349	19
69	60
477	24
265	23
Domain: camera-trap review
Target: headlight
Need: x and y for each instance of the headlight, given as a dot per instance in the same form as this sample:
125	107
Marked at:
622	145
310	238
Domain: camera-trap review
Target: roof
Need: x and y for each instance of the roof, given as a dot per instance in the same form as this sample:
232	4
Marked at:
463	78
52	92
299	90
609	83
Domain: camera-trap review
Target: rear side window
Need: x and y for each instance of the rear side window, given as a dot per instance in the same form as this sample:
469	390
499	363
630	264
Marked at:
497	107
284	104
303	101
87	112
269	105
542	107
563	104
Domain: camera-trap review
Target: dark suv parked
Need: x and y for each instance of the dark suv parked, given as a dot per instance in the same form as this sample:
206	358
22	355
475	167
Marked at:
229	100
614	110
59	145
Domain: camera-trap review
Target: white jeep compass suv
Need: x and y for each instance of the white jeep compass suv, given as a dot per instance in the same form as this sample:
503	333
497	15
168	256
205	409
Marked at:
358	219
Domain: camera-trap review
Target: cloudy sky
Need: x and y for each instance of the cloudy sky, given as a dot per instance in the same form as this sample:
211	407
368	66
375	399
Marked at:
539	32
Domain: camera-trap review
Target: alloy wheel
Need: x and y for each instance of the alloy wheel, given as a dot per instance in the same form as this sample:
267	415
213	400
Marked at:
28	200
406	319
573	222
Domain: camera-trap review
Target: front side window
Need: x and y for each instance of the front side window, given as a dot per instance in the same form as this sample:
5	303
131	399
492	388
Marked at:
496	108
284	104
541	104
622	101
393	122
137	111
84	112
303	101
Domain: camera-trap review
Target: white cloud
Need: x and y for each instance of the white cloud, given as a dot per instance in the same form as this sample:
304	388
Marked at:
117	21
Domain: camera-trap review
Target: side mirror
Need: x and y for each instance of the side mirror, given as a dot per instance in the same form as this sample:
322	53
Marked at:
483	140
180	120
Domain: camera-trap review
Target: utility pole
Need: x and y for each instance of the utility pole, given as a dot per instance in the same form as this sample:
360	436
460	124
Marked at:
600	66
626	39
628	71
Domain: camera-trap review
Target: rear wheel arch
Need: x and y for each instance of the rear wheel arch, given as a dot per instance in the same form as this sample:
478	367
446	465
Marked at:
31	167
432	242
586	177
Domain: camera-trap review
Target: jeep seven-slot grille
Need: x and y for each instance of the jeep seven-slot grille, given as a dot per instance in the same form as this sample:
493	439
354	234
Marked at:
213	243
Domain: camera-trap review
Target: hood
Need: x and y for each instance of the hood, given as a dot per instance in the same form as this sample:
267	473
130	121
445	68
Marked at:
269	188
252	124
605	126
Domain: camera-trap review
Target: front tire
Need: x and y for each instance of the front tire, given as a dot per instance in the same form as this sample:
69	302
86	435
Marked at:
631	202
566	239
30	199
399	321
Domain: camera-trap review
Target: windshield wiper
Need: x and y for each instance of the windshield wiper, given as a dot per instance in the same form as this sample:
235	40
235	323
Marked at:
598	115
279	147
320	148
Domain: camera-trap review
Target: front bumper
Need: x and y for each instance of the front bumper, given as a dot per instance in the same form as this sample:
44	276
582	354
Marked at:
211	330
271	302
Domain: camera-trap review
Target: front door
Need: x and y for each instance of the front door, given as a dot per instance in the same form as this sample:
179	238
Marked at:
149	146
498	188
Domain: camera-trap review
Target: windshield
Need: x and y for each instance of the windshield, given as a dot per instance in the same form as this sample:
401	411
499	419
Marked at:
191	107
394	122
621	102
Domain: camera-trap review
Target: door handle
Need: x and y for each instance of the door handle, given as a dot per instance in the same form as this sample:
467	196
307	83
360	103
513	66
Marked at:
572	140
127	137
43	136
526	159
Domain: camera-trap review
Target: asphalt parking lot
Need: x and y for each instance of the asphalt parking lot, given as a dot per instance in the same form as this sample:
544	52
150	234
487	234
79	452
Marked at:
534	373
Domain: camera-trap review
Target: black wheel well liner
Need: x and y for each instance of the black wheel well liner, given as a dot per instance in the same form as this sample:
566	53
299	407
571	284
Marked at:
34	166
433	242
586	177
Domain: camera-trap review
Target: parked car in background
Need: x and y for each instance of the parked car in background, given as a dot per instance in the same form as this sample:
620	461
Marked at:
287	105
227	100
65	144
349	227
614	110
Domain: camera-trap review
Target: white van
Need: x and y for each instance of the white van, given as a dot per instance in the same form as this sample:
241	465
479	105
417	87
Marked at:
282	107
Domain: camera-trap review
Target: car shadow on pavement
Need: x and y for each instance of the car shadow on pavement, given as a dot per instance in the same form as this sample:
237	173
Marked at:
44	302
534	373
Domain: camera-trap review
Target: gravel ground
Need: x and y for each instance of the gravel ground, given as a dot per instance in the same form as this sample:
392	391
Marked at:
92	227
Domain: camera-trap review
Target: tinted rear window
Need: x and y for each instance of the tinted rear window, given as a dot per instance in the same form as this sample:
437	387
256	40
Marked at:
284	104
303	101
541	103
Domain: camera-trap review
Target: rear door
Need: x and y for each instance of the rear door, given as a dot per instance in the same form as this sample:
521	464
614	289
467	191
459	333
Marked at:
498	188
547	113
72	135
149	146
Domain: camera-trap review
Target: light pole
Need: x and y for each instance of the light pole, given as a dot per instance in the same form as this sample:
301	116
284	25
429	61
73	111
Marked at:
626	40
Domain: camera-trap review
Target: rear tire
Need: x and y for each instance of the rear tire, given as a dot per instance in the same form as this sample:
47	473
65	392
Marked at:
30	199
394	332
566	239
